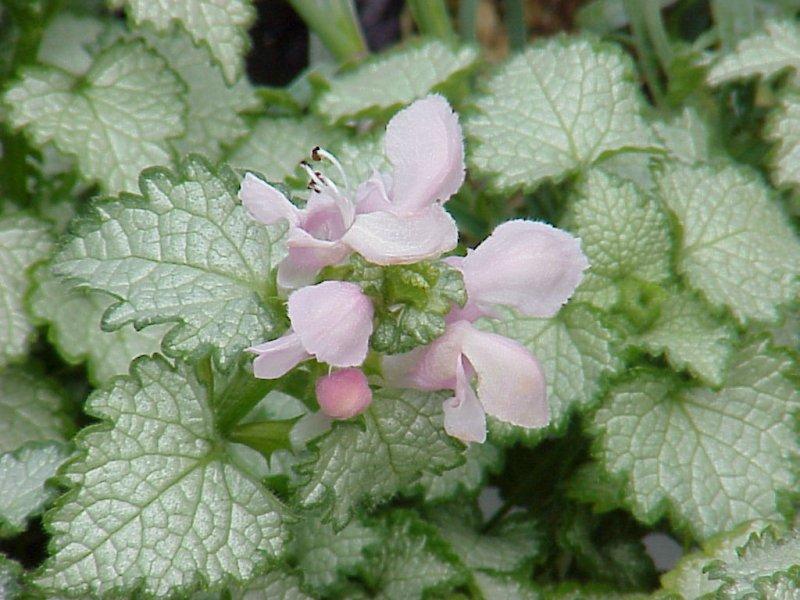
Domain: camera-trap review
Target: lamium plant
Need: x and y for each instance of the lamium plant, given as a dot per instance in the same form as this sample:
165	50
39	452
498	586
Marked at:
448	320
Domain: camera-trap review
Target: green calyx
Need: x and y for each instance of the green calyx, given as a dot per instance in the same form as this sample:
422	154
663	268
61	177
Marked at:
410	300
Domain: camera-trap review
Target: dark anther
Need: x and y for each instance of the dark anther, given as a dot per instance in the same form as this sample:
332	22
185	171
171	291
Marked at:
315	153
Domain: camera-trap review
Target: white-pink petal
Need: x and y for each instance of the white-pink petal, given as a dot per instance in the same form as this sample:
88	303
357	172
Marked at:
511	383
464	417
527	265
306	256
425	146
334	322
278	357
372	195
265	203
387	239
437	363
398	370
329	209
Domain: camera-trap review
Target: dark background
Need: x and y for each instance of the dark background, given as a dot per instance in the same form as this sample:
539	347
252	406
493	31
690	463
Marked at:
280	38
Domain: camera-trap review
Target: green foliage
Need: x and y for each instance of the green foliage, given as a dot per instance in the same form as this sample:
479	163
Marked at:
325	556
509	547
708	459
764	53
116	120
74	315
608	549
493	585
31	410
390	81
414	300
411	561
669	148
766	566
273	584
553	110
131	485
784	130
736	246
464	480
275	147
212	275
410	300
213	107
624	233
10	575
66	42
23	477
355	464
690	579
220	25
691	337
687	137
24	240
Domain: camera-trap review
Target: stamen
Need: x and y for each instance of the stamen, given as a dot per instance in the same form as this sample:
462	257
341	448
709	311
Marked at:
329	183
321	154
314	175
319	181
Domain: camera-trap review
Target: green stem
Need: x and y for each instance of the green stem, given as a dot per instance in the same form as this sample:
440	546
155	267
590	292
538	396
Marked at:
238	396
651	12
733	20
264	436
647	60
515	24
432	18
468	20
336	24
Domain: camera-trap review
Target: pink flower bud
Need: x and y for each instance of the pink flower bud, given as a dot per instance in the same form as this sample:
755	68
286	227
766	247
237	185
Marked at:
343	394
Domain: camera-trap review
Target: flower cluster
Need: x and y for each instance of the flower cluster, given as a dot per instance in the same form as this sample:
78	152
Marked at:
399	218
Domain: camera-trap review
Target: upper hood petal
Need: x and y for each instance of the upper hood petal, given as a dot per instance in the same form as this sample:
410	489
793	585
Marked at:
425	146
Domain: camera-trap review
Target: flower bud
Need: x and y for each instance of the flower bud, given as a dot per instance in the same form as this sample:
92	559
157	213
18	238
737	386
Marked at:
343	394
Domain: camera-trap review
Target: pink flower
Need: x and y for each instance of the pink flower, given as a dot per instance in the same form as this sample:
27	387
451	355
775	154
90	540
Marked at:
510	383
315	232
400	217
396	218
343	394
331	321
529	266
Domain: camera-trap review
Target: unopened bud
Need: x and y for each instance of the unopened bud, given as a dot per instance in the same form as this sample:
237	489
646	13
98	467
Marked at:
343	394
